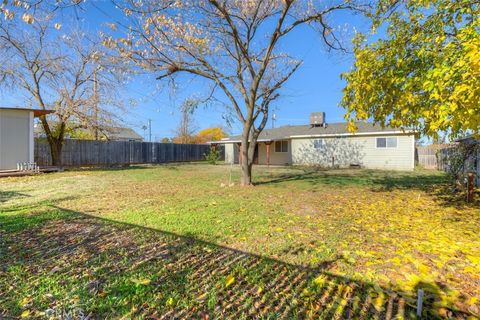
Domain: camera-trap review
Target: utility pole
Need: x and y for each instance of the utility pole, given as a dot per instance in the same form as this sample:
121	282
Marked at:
274	117
150	130
95	104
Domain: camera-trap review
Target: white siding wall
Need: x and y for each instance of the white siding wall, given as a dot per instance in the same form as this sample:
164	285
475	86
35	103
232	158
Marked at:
360	150
229	153
16	138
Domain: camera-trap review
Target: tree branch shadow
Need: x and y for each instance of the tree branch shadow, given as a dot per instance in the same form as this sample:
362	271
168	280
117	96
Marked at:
435	185
103	261
10	195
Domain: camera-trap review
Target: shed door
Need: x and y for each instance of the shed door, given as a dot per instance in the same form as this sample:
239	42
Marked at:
14	138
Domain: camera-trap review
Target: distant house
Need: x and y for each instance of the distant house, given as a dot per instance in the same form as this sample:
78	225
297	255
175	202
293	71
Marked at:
109	133
330	145
16	136
121	134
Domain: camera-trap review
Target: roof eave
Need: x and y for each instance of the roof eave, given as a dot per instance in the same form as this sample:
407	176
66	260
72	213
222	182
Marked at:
36	112
320	135
39	113
348	134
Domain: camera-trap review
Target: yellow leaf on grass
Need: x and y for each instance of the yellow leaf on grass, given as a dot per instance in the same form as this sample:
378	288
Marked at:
25	314
472	301
320	280
142	281
229	281
473	259
26	301
170	301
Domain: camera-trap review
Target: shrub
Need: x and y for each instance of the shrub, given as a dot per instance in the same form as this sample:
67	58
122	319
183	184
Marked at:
459	160
213	156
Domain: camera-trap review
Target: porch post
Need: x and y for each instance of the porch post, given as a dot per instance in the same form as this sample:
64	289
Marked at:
267	146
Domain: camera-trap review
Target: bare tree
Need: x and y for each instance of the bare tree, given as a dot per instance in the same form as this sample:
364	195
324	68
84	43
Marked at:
66	73
233	44
185	132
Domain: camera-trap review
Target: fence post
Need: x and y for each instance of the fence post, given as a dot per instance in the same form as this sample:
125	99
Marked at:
470	184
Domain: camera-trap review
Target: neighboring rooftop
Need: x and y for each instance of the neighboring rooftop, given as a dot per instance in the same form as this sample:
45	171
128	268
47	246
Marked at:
122	133
111	133
470	138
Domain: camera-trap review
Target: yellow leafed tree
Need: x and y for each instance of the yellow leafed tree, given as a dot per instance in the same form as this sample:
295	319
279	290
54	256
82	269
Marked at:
424	74
211	134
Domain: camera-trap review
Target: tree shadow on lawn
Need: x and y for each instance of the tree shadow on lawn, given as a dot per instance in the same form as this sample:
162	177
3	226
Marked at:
354	177
73	263
10	195
433	184
134	166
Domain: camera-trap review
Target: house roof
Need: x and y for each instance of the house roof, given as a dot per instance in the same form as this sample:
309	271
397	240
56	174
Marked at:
331	129
111	133
120	133
36	112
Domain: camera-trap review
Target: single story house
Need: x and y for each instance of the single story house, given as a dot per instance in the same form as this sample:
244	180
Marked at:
16	136
330	145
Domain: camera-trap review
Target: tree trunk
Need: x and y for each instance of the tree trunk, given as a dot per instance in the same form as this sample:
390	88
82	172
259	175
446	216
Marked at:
246	177
247	158
248	154
55	141
56	151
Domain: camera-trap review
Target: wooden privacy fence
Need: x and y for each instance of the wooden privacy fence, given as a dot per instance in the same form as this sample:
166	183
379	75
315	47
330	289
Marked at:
87	152
426	156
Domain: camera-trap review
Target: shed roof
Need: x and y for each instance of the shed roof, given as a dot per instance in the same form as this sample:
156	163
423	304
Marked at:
331	129
471	138
36	112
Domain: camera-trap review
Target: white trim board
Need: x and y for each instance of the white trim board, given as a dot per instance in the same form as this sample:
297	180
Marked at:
327	135
375	133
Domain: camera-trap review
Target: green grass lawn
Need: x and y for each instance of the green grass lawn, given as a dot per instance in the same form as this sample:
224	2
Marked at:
179	242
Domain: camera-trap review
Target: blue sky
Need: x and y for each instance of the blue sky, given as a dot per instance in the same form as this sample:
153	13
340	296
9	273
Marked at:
316	86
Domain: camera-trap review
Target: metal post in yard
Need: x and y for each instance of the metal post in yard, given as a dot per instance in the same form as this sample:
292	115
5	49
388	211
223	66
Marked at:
419	303
470	184
149	130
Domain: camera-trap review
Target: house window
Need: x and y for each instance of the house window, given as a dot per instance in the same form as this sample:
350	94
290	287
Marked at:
281	146
387	142
318	143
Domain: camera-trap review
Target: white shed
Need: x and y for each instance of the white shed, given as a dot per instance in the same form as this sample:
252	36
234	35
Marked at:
16	136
